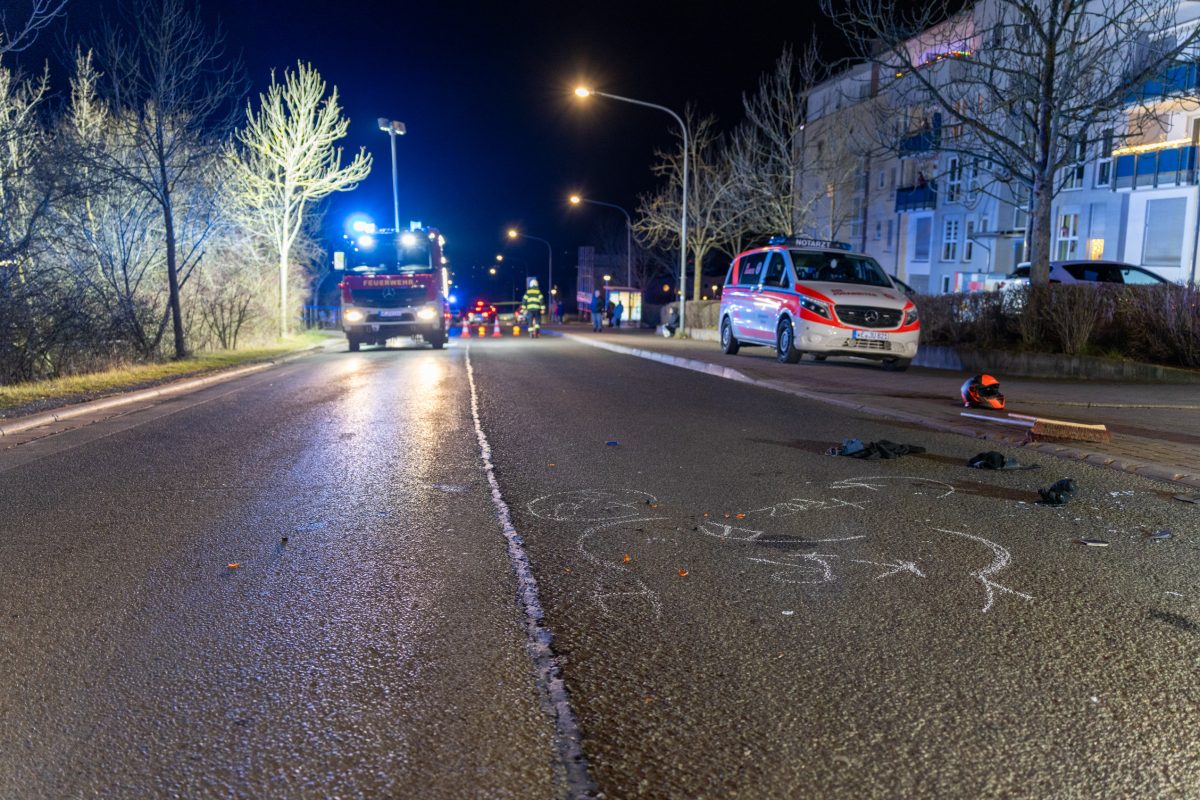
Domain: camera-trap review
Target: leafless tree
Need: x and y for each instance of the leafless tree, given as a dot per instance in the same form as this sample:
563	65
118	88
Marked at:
767	150
713	216
170	87
1027	86
288	160
17	35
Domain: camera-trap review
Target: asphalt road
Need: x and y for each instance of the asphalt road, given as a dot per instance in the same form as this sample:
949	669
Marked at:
732	612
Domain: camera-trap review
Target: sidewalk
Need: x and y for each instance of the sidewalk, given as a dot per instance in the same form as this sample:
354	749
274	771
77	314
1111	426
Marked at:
1155	427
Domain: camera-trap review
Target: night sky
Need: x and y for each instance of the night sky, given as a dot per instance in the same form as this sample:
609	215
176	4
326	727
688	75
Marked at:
495	135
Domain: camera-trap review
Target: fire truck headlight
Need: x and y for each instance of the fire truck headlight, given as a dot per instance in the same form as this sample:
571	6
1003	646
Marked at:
426	314
354	315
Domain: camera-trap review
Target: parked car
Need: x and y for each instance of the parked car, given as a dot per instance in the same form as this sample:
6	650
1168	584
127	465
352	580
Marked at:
1089	272
802	295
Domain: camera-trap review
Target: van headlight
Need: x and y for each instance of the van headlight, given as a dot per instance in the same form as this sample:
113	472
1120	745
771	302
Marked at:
426	314
910	316
816	307
354	315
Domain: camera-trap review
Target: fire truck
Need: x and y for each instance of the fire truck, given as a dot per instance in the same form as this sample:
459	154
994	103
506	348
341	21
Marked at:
399	288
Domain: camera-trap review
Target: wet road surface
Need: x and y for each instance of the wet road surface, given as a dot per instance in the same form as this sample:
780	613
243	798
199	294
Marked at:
734	613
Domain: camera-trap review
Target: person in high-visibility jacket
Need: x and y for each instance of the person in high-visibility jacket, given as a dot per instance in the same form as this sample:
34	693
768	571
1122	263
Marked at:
534	302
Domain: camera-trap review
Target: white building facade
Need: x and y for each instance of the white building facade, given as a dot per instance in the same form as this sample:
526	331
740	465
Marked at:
942	221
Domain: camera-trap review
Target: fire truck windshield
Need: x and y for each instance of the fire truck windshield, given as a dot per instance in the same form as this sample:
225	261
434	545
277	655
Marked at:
410	251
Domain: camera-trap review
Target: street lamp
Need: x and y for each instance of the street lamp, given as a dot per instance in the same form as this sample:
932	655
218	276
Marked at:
583	91
576	200
513	233
394	128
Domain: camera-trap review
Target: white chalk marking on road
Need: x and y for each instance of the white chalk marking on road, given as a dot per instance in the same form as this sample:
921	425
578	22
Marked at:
871	483
821	560
539	639
574	505
899	566
999	562
796	505
599	595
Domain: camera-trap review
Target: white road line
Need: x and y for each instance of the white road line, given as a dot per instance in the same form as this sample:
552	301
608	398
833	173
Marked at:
539	639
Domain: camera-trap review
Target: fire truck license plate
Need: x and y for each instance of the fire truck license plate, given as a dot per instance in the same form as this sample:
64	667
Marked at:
875	335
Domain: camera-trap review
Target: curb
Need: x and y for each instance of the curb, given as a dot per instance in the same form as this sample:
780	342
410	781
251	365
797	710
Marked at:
166	390
1155	471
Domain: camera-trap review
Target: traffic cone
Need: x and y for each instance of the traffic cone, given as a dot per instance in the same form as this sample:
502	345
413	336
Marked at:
466	330
496	328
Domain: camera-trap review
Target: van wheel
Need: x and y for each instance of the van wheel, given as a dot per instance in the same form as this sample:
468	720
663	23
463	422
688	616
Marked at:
354	343
896	364
785	344
438	340
729	342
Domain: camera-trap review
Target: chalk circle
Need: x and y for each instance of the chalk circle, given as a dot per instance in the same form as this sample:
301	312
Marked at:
591	505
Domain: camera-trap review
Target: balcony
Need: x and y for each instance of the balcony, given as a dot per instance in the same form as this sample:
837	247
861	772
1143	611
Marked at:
926	140
916	198
1170	166
1178	79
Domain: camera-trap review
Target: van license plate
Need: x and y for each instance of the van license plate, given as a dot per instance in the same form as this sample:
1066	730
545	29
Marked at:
873	335
390	312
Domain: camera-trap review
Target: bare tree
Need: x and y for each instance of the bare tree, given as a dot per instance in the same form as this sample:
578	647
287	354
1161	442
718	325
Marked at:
16	36
288	160
712	214
1027	86
169	86
768	153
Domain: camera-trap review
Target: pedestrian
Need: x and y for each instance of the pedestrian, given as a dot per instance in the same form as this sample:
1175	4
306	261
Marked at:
618	312
672	322
597	311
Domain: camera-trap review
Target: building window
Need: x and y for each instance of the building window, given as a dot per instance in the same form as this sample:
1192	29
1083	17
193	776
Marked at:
1068	236
890	232
1163	242
968	252
950	240
945	284
878	231
953	180
1097	223
1073	173
882	179
1020	208
921	234
1104	164
973	181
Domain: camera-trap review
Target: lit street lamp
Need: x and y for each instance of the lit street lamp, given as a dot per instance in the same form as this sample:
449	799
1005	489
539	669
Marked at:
394	128
513	233
583	91
576	200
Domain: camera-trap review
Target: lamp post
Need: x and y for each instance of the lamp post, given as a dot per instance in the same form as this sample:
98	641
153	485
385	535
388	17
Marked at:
513	233
394	128
576	200
583	91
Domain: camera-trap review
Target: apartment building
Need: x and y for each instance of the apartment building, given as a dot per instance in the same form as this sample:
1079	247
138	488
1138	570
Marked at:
890	177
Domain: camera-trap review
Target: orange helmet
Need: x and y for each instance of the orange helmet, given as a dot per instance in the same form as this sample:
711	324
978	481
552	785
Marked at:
982	391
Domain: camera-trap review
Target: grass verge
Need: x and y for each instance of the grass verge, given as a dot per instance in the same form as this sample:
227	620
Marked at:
59	391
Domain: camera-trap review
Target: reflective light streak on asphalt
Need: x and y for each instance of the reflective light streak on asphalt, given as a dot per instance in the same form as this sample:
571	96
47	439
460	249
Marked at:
540	640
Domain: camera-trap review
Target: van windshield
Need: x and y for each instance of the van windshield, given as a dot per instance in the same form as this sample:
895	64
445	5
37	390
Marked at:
838	268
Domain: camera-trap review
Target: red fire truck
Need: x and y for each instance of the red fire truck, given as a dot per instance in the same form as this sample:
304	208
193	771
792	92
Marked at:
399	289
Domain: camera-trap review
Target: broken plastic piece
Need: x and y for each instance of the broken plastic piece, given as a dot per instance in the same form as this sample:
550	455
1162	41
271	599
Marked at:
1189	498
612	444
1159	536
683	573
627	558
235	565
1092	542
